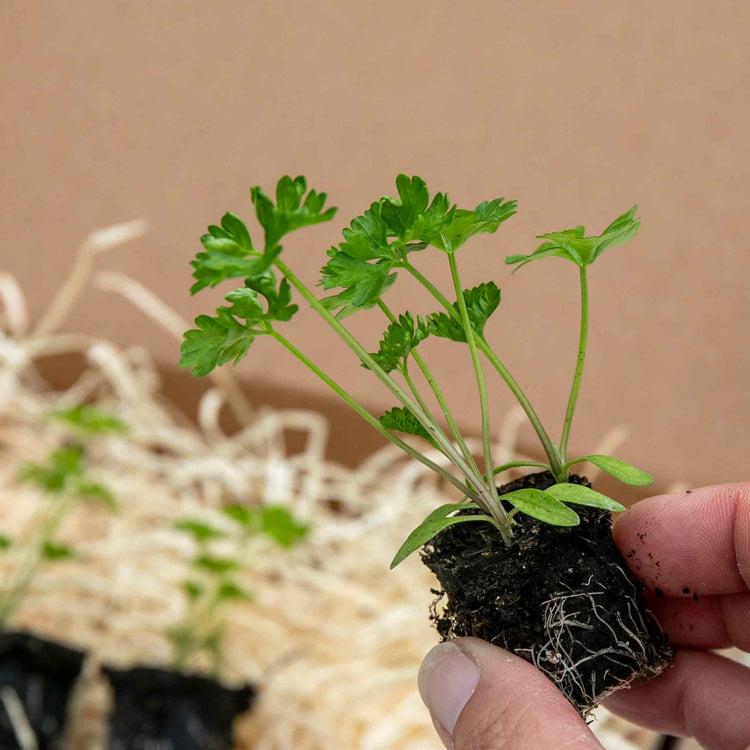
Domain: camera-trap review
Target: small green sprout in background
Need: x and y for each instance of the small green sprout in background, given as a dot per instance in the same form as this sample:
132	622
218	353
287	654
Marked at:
377	248
213	584
64	481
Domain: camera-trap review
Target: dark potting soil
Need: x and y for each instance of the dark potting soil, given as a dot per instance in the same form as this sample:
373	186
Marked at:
38	676
560	597
172	710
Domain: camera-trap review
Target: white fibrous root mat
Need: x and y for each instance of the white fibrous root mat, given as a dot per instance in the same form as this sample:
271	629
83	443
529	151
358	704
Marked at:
332	638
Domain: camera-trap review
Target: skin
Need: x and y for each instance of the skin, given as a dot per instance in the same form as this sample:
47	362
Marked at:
688	545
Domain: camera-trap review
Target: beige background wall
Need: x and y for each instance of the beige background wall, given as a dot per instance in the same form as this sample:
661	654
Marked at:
171	110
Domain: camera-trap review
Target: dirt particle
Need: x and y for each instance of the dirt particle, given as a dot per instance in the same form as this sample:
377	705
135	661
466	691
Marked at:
695	597
659	593
688	492
686	590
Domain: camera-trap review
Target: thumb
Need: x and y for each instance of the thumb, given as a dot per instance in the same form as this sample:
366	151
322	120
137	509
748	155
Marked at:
484	698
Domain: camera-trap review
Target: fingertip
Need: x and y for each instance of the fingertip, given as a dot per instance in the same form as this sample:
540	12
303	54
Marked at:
694	542
514	705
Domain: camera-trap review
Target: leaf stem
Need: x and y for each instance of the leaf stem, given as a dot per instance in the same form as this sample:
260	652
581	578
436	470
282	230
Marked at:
499	513
438	393
495	361
369	418
430	425
577	377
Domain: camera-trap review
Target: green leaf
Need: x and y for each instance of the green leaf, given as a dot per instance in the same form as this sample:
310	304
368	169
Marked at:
227	250
90	420
574	245
432	526
241	514
400	419
199	530
293	209
361	265
52	551
401	213
214	564
63	465
363	282
484	219
230	591
580	495
215	341
618	469
236	230
245	304
542	506
278	523
5	542
400	338
366	237
90	490
481	302
192	589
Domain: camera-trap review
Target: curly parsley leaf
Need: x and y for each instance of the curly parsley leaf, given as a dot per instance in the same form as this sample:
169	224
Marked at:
363	282
484	219
377	242
412	216
223	337
361	265
227	250
574	245
214	342
400	419
293	209
399	339
481	302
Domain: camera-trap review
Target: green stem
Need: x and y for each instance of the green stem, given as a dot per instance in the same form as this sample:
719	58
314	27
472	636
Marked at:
372	421
438	393
579	369
432	428
514	464
484	347
499	513
32	559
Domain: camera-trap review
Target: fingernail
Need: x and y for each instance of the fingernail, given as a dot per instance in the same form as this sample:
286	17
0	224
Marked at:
447	679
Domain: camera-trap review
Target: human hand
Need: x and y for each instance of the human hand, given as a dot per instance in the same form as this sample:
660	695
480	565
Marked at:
695	549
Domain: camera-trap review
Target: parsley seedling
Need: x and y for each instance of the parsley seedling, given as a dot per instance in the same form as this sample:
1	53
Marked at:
64	481
213	582
376	247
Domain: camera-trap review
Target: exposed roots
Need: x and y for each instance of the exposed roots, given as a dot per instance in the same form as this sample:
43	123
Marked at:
564	653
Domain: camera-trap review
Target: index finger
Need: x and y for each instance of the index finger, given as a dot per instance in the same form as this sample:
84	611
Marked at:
692	543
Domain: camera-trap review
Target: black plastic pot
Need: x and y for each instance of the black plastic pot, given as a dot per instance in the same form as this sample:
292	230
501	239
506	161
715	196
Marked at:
40	674
163	708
